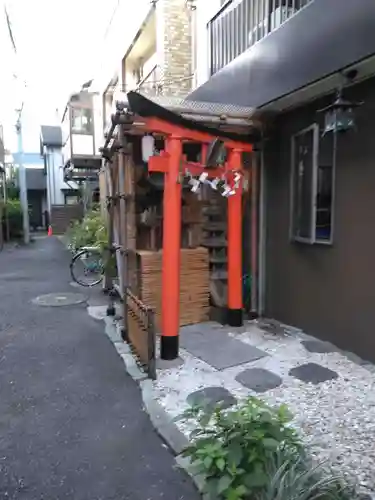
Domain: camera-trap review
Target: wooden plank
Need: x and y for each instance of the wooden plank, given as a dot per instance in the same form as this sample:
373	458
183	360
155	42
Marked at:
194	287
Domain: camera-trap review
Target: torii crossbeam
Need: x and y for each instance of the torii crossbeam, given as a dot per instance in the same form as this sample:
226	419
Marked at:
177	128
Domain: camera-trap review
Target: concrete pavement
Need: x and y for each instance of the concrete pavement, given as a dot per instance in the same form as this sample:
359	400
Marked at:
71	420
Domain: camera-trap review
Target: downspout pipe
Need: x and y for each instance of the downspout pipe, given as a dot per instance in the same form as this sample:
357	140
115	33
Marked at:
254	309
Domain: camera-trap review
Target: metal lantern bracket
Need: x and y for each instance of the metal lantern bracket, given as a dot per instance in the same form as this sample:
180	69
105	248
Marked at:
338	116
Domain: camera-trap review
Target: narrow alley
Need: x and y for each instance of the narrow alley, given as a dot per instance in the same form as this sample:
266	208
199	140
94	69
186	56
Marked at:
71	419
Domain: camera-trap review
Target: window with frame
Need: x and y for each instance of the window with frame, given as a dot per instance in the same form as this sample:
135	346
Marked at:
312	187
82	121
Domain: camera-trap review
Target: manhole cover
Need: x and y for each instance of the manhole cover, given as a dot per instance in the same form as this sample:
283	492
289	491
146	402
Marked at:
59	299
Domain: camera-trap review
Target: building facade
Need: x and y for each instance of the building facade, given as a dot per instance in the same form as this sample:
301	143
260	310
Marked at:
157	56
82	136
59	192
62	195
36	186
315	165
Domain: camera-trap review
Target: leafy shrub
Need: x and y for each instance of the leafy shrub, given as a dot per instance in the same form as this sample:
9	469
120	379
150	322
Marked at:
90	231
249	451
294	478
13	209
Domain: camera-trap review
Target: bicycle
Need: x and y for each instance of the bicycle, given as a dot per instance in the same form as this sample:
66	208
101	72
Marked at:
87	263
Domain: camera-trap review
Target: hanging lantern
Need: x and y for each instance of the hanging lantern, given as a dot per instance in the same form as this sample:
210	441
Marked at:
339	116
148	147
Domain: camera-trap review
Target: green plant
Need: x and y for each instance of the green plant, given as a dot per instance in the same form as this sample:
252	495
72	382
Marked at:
13	211
295	478
252	453
90	231
232	448
12	191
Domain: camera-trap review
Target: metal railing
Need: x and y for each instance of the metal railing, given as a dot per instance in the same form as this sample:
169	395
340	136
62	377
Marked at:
239	24
152	85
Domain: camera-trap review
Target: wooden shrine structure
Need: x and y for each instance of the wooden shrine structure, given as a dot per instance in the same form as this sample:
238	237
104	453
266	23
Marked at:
170	166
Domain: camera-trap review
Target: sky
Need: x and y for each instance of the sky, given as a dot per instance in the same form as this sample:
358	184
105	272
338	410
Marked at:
58	49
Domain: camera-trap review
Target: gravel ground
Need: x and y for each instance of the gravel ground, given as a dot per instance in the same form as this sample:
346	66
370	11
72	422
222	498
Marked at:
337	418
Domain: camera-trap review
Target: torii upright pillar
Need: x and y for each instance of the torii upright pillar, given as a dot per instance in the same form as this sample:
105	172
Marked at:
234	312
174	166
171	251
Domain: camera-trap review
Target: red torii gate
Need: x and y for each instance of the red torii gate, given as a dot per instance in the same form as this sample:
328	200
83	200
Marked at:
172	163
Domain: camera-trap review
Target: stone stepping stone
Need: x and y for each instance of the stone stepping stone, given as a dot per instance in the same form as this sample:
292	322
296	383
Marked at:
216	347
210	397
259	380
313	373
318	347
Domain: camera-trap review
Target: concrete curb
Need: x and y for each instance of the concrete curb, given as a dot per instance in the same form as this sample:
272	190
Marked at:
161	421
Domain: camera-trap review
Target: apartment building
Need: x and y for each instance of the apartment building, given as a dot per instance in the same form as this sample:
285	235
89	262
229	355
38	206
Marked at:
62	195
156	52
307	67
82	136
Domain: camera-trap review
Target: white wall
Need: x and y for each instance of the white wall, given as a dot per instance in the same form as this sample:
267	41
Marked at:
149	64
205	10
97	102
55	178
124	26
83	144
126	22
65	131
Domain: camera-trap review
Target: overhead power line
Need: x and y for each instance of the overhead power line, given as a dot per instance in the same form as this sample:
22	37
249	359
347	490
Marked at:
10	30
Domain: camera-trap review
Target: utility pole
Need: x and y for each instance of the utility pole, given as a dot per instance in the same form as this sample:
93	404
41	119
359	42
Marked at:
22	182
21	167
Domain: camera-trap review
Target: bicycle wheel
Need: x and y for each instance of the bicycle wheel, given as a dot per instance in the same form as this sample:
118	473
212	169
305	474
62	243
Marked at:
86	267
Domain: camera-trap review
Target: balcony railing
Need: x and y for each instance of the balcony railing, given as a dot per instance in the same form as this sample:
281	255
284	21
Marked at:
239	24
151	85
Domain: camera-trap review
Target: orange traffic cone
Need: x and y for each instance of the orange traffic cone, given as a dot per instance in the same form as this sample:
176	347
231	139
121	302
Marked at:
49	231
